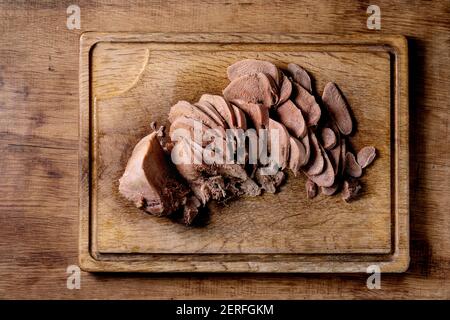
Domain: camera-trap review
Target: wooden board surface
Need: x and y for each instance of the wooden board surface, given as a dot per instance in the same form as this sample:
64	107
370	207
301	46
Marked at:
130	80
39	138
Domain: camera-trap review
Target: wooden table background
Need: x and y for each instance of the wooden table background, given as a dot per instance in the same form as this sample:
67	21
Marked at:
39	142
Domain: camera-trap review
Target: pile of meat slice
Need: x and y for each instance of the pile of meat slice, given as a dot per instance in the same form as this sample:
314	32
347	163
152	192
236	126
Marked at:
313	140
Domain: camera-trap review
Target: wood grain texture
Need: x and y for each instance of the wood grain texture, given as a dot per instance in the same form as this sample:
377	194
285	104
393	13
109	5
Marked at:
39	134
312	233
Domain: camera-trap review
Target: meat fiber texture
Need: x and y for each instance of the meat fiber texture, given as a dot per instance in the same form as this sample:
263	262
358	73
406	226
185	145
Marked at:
312	139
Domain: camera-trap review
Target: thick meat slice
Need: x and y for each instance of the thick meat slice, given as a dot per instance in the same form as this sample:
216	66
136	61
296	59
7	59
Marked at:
257	113
307	103
300	76
337	107
335	157
285	90
252	66
283	143
292	118
149	180
297	155
254	88
316	160
241	119
184	108
329	139
207	108
222	107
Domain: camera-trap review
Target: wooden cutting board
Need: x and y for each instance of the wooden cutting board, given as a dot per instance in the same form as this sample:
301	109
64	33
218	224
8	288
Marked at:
128	80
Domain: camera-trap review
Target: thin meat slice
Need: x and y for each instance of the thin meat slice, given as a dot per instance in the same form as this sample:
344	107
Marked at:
184	108
326	178
207	108
316	160
335	158
329	139
283	143
352	167
182	126
329	191
257	113
253	66
307	103
366	156
300	76
222	107
306	144
253	88
241	119
311	189
149	180
292	118
297	155
337	107
285	90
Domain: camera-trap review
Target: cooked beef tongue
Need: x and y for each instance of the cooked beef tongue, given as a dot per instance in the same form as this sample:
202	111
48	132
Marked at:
283	143
366	156
300	76
308	104
285	90
241	120
328	138
253	66
326	178
297	155
149	179
337	107
186	128
316	161
207	108
222	107
252	88
352	167
292	118
258	114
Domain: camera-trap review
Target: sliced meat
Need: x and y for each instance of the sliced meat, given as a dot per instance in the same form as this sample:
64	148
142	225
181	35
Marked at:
366	156
253	66
297	155
335	157
306	144
149	180
337	107
184	108
285	90
326	178
257	113
222	107
292	118
311	189
342	157
241	119
233	170
189	127
300	76
254	88
207	108
316	160
283	143
307	103
350	190
352	167
328	138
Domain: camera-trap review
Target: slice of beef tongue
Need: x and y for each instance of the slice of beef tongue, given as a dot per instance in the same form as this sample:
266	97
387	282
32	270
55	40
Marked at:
326	178
253	66
241	120
292	118
285	90
207	108
257	113
283	143
316	161
150	181
252	88
298	156
337	107
308	104
300	76
222	107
